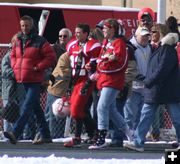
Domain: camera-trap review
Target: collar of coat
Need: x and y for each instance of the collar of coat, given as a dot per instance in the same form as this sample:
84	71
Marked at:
170	39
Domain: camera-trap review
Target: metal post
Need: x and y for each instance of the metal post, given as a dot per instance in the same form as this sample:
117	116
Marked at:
122	3
129	3
161	12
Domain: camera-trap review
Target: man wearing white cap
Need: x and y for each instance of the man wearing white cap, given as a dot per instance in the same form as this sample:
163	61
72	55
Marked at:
134	102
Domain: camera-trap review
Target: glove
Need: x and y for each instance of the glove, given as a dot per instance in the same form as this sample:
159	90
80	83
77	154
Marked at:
52	79
140	77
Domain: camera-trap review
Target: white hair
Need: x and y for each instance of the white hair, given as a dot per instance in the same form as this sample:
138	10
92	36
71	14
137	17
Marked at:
67	30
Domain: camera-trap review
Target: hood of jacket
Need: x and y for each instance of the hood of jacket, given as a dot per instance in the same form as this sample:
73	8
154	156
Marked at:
170	39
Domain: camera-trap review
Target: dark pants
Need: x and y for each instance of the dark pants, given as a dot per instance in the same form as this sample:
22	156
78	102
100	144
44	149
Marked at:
31	104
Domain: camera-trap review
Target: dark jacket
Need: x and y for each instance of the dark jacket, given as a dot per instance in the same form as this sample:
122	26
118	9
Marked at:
28	53
11	91
162	83
8	79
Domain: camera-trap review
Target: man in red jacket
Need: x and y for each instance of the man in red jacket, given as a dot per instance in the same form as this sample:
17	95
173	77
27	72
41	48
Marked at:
30	56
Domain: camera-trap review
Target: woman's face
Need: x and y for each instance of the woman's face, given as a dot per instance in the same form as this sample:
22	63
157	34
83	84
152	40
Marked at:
155	36
108	32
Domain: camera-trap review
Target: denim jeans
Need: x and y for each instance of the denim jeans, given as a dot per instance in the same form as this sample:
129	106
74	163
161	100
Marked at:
56	124
117	136
107	109
147	116
132	109
31	104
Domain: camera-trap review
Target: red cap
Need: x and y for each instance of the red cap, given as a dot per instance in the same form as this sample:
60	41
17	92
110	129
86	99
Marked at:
146	11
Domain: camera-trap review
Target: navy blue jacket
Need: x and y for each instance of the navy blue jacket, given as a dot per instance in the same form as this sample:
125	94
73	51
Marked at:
162	83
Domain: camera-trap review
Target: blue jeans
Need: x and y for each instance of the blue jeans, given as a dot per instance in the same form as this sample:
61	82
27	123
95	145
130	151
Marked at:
147	116
56	124
117	136
132	109
31	104
106	110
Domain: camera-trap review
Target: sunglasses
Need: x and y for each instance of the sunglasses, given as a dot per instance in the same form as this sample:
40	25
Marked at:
146	21
154	31
64	36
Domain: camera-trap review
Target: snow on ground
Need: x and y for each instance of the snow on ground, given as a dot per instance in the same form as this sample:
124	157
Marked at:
62	160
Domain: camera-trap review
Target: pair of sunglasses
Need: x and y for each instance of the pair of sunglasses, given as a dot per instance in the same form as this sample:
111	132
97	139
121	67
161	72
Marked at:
146	21
64	36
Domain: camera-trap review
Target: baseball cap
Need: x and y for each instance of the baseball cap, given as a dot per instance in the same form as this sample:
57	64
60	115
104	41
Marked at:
146	11
142	31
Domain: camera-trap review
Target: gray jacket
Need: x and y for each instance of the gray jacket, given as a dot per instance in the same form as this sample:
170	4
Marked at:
8	79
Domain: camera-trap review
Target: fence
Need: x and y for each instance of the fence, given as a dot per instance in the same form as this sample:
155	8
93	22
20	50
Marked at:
162	123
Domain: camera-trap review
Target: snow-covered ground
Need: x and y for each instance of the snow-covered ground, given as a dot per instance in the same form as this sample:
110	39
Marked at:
62	160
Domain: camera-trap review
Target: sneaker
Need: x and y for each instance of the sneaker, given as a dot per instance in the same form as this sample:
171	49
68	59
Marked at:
42	140
75	142
132	146
100	142
175	145
11	137
98	146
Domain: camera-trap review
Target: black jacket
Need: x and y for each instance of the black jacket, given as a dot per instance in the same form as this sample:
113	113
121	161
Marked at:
162	82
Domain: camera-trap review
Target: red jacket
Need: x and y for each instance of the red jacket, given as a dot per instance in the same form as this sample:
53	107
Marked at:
112	72
36	53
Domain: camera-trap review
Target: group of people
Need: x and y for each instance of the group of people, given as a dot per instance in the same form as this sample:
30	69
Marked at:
114	84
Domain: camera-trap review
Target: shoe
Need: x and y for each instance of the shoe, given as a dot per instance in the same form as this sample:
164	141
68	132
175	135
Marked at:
98	146
11	137
75	142
42	140
132	146
100	143
175	145
129	134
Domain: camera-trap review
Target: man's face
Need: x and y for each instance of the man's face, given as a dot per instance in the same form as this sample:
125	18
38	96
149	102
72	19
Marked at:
146	21
143	40
80	35
63	37
26	26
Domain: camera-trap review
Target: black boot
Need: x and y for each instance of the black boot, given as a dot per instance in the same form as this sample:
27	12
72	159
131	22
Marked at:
100	143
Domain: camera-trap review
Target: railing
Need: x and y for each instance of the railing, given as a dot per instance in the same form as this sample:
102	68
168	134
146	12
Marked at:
167	132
